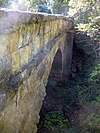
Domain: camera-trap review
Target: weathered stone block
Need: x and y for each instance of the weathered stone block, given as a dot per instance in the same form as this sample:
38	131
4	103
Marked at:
25	55
41	71
37	43
13	42
16	61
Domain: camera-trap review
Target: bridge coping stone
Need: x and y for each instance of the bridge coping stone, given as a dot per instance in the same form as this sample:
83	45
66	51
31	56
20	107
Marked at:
10	20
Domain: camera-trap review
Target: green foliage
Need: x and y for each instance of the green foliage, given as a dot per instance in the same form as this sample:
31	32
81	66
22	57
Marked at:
33	4
98	99
92	119
55	120
3	2
60	6
91	84
86	16
43	8
96	72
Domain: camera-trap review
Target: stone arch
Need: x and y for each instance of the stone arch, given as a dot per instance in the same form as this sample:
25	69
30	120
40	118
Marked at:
57	65
55	76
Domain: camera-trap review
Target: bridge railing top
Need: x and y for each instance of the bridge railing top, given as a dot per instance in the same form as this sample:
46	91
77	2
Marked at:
10	20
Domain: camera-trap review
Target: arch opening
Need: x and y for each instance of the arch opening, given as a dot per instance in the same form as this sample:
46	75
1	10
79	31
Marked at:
54	78
56	69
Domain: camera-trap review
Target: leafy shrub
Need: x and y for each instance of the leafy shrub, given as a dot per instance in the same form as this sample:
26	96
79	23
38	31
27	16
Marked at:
55	120
89	117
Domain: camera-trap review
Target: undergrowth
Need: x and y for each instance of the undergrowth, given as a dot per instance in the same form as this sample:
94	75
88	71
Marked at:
82	89
55	119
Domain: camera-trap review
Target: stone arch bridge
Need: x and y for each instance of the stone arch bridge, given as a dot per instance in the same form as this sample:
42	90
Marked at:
28	45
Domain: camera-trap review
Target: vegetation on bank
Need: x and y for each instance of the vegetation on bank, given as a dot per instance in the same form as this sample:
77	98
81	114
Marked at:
55	120
81	100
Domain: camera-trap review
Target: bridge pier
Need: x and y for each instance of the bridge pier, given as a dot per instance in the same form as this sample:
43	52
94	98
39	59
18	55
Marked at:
67	54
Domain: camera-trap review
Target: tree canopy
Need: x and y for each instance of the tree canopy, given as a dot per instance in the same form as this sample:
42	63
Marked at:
3	2
86	13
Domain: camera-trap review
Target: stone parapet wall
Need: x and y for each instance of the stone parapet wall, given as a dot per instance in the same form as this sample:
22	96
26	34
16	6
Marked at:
28	44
